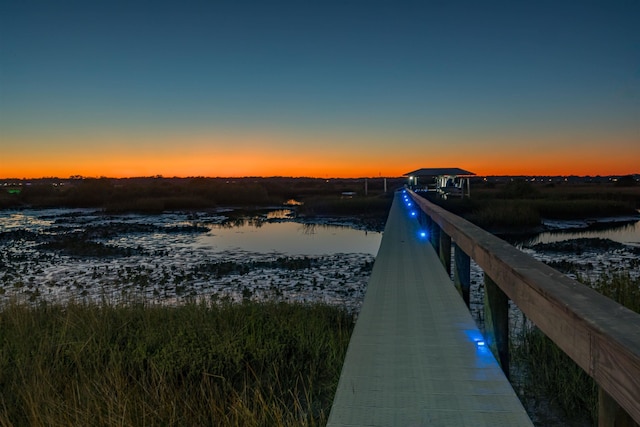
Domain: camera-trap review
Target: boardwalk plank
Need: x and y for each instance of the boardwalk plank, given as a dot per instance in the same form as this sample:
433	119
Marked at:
412	359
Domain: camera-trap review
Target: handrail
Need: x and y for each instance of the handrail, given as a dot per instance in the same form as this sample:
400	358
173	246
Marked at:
600	335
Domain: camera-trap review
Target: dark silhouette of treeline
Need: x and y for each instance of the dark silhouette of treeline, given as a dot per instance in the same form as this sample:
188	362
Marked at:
157	194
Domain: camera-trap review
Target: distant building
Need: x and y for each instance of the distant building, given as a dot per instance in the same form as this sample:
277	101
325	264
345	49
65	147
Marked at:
446	182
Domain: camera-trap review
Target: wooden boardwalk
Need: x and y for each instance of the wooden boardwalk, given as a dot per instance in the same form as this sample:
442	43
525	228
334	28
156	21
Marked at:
415	357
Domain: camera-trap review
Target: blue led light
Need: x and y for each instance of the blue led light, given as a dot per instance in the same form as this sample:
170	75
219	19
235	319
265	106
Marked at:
413	213
423	234
480	343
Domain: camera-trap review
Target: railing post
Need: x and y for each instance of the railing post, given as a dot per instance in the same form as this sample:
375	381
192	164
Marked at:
496	322
425	220
445	251
435	236
462	273
610	414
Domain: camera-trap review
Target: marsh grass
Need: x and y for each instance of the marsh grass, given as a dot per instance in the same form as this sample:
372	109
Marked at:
157	194
500	213
550	372
337	205
584	208
552	375
506	214
247	364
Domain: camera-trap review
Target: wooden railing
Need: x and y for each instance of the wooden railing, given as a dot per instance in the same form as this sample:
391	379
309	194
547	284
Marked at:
600	335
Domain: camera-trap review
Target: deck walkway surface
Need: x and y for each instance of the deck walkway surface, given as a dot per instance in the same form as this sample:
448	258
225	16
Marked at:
413	359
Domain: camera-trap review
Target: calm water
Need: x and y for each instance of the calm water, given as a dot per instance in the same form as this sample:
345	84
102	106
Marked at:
625	233
59	255
273	232
291	238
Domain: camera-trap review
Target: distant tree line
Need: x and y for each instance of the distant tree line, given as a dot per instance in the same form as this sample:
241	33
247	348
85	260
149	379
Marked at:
158	194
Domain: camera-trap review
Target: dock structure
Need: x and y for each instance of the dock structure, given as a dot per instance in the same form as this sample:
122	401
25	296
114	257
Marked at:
446	182
416	357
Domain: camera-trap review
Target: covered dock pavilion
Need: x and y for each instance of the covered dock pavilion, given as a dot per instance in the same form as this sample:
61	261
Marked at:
446	182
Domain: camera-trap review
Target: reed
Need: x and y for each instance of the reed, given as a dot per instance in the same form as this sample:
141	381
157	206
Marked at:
499	213
341	206
253	364
506	214
550	372
520	205
584	208
157	194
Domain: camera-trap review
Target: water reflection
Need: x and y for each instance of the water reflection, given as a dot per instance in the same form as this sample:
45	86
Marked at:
309	228
59	255
239	222
272	231
242	219
289	237
626	233
280	214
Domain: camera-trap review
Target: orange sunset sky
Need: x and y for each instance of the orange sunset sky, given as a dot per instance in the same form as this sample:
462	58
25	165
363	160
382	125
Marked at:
327	89
260	155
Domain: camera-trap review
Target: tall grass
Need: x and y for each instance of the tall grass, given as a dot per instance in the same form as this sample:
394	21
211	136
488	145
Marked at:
506	214
521	205
528	213
337	205
550	372
232	365
155	194
569	209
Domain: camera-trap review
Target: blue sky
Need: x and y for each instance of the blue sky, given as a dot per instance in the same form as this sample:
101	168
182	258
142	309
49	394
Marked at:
471	77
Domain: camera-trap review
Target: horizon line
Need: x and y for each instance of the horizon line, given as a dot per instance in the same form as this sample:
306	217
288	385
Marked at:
159	176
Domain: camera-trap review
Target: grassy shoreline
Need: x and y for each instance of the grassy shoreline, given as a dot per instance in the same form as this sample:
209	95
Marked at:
232	364
521	206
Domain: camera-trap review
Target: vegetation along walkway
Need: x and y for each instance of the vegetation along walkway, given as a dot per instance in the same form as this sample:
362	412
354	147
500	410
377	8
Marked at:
416	357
